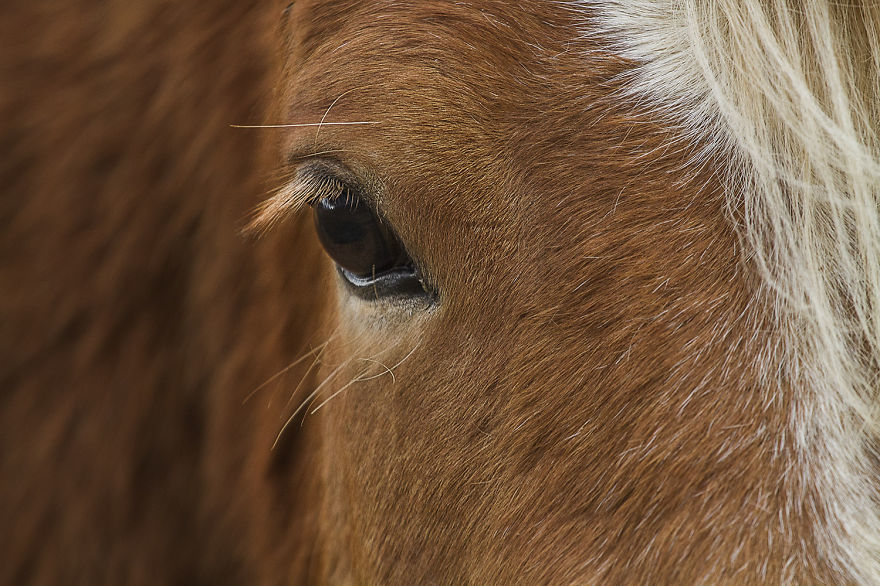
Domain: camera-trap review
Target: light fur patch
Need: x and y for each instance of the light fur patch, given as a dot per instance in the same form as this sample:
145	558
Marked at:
787	91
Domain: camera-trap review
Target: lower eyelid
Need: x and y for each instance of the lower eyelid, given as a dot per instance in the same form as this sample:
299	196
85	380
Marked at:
398	283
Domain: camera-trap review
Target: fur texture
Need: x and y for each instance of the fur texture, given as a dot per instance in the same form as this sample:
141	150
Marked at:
788	91
651	229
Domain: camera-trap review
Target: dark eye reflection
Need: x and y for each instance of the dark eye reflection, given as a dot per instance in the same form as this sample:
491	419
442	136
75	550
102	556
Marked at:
369	255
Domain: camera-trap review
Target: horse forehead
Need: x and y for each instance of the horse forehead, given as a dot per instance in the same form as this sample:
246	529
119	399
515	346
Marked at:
475	33
480	67
327	15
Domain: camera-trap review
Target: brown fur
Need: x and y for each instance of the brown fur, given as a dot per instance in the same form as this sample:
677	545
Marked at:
584	405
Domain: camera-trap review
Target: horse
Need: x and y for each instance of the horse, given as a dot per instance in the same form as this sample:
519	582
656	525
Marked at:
396	292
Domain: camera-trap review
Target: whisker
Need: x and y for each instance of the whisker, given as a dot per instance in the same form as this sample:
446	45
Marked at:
391	370
327	111
306	400
360	378
303	378
327	152
410	353
285	369
388	370
356	379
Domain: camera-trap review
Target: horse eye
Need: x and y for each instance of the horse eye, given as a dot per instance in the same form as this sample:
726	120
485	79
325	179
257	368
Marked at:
354	237
369	255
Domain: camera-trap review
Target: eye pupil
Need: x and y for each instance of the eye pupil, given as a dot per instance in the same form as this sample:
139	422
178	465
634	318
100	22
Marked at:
355	238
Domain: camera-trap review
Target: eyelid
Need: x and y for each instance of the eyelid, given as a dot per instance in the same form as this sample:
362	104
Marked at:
307	185
328	179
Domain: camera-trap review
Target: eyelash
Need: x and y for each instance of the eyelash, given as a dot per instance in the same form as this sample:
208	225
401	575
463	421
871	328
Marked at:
327	187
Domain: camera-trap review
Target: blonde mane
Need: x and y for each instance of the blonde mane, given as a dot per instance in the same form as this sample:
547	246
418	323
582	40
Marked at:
788	91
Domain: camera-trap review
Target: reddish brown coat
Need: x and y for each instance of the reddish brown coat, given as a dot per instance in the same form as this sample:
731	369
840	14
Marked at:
583	404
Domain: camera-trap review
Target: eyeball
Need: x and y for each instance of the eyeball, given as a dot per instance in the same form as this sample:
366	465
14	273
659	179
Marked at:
368	253
355	238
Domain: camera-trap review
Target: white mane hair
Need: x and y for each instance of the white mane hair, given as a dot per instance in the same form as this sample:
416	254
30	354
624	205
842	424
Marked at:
788	91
